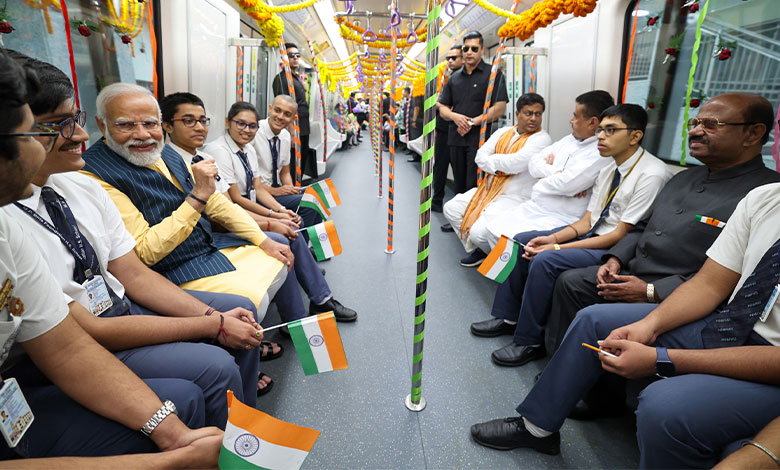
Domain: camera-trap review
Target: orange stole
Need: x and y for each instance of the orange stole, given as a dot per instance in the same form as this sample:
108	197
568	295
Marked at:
492	186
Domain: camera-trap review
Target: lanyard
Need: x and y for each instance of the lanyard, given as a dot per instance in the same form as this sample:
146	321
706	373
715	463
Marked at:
80	253
609	197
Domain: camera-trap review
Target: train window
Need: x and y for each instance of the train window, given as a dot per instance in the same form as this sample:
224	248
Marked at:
100	55
740	51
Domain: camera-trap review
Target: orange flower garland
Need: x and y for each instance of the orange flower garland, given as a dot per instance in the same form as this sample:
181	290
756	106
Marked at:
343	20
541	14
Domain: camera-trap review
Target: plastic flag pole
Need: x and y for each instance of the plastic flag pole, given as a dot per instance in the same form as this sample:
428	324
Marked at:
296	127
415	400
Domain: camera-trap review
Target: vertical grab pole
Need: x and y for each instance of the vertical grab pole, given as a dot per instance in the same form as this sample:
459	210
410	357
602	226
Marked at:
491	85
296	127
322	99
415	401
391	141
372	118
380	127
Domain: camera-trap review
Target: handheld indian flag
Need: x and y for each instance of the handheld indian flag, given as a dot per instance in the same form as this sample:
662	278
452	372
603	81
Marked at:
324	240
501	259
312	200
710	221
254	439
327	192
318	343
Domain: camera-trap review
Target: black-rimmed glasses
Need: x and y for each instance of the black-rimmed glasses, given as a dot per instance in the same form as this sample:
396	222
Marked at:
472	48
712	124
51	135
609	131
190	122
66	127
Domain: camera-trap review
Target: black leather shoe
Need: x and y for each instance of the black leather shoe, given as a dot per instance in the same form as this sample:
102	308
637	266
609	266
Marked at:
514	355
491	328
322	270
436	207
510	433
341	312
475	258
585	411
447	228
413	159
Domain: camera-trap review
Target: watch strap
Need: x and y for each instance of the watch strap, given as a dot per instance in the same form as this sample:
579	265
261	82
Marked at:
166	409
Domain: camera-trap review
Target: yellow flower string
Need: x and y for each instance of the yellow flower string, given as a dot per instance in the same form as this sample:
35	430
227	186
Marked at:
343	21
271	26
541	14
496	10
346	33
130	19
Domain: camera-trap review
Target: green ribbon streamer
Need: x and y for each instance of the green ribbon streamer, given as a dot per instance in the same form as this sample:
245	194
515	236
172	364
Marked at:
691	72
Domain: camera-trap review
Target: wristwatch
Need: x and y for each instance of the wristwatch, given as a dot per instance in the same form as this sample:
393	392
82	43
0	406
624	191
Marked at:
470	123
664	367
650	293
167	408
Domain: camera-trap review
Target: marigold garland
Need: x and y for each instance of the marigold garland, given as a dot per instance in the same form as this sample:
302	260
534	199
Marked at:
344	21
541	14
346	33
271	26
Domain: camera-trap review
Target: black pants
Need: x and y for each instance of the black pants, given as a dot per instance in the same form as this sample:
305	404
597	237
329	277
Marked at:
464	168
308	160
441	163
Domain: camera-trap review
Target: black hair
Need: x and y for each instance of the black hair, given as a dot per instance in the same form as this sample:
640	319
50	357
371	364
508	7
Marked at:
458	47
352	95
290	45
595	102
387	93
759	109
474	35
242	106
406	88
632	115
57	89
170	104
18	86
528	99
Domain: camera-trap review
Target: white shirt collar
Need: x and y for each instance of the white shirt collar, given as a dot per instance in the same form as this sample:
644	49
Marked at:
232	145
184	154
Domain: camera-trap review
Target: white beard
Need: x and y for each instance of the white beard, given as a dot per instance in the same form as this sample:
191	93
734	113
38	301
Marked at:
147	158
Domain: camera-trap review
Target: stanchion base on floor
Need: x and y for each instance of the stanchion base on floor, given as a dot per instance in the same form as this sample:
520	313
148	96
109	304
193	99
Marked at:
380	197
389	252
411	406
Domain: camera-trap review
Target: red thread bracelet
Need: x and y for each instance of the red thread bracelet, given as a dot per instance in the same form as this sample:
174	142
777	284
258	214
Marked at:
267	225
222	330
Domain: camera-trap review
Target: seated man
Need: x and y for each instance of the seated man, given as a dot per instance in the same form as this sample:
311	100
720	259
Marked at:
623	193
68	209
180	108
504	159
161	207
94	405
721	367
667	247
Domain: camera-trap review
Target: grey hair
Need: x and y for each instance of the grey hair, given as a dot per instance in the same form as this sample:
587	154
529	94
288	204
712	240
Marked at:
115	90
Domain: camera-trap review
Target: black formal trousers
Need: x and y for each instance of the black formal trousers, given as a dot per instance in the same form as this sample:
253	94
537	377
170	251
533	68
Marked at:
464	168
441	163
308	159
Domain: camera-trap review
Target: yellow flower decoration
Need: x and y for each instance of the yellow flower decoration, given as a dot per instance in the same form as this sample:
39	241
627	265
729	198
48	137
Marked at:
541	14
347	33
271	26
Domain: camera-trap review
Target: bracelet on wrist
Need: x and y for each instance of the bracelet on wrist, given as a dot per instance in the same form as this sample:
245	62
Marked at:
210	311
197	198
221	330
576	233
763	449
267	225
556	246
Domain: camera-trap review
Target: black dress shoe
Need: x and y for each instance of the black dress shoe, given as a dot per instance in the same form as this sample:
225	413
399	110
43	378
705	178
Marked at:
510	433
475	258
447	228
413	159
586	411
436	207
491	328
514	355
341	312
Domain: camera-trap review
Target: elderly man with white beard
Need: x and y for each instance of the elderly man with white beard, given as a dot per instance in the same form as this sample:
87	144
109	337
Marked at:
168	209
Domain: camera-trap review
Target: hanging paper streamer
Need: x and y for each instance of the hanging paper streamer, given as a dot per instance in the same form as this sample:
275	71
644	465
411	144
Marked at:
694	63
776	145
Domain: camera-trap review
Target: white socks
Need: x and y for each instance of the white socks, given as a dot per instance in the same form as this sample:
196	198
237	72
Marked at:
535	430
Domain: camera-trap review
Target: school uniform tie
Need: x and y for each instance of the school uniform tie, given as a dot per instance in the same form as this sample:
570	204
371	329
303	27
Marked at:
731	324
274	143
610	197
247	171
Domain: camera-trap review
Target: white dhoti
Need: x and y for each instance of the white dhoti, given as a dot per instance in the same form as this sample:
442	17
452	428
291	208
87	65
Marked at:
524	218
479	235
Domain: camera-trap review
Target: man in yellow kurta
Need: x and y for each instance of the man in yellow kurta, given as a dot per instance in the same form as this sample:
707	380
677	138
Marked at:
162	203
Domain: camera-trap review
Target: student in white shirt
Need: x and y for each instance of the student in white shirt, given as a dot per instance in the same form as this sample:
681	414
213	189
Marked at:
96	405
623	193
306	272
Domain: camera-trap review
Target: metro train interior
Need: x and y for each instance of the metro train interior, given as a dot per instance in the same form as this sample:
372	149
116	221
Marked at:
404	402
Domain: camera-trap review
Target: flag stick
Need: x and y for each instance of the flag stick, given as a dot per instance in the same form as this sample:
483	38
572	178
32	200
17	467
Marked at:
415	401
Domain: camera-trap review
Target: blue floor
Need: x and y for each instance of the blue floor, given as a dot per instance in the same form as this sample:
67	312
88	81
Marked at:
360	411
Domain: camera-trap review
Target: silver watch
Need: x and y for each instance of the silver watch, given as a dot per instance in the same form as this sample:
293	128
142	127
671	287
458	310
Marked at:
650	292
167	408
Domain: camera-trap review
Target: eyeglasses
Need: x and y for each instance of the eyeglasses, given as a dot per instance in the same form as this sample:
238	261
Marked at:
51	135
609	131
129	126
471	48
712	124
532	113
66	127
190	122
453	57
241	125
296	55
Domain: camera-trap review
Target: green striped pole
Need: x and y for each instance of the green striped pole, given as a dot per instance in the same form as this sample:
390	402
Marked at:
415	400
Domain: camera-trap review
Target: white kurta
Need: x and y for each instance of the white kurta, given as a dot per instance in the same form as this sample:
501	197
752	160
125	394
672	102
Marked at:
517	190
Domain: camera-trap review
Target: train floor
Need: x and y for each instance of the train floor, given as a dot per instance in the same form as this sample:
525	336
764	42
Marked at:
360	411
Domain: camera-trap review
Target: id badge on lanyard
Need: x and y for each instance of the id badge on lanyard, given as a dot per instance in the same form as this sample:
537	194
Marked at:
15	414
772	298
97	293
253	195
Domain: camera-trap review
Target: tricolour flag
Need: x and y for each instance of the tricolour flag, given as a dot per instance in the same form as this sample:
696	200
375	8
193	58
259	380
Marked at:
501	260
324	240
254	439
327	192
318	343
312	200
710	221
